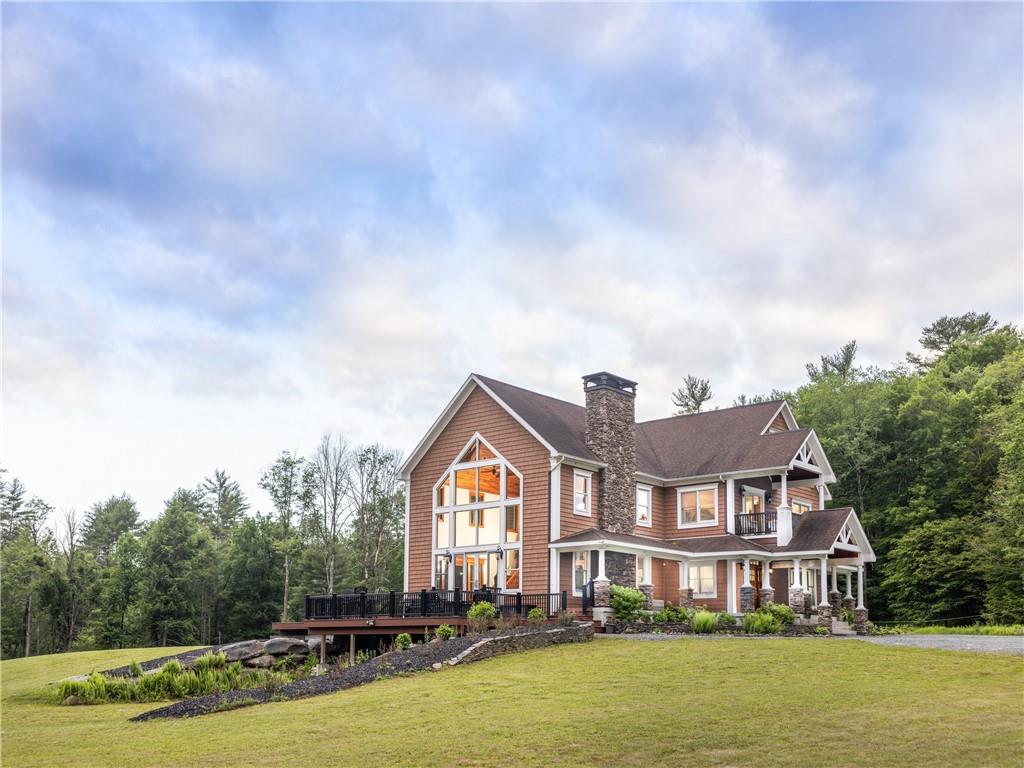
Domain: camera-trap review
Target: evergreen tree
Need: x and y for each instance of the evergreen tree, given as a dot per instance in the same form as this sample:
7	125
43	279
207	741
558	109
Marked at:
690	397
222	504
283	482
106	522
252	579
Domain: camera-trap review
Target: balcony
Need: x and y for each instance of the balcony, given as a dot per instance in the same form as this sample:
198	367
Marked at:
756	524
427	603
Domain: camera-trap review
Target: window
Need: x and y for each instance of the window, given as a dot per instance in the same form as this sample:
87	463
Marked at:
643	505
697	506
801	506
641	575
580	570
477	509
511	569
581	482
702	580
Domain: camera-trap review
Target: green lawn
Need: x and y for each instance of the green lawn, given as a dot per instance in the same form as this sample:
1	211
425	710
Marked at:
720	702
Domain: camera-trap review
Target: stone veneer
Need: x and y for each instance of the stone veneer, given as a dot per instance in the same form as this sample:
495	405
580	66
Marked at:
648	591
825	617
602	593
747	599
848	603
767	595
611	435
686	598
835	599
796	600
860	620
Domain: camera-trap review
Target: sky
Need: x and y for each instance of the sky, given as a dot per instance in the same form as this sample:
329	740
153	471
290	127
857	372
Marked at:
228	229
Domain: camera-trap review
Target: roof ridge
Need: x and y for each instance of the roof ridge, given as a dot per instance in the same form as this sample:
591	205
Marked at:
524	389
716	410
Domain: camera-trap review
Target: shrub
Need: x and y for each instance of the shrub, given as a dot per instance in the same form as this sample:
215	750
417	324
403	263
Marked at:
780	611
172	667
627	603
672	614
846	614
209	661
726	620
480	615
821	630
403	641
444	632
364	656
761	623
135	669
536	616
704	621
566	618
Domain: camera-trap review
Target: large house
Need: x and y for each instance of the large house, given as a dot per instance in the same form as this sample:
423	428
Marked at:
522	493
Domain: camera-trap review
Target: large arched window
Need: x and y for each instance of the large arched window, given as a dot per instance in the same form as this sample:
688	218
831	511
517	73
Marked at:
478	523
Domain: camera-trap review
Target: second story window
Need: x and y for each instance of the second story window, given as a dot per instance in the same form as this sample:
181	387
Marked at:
697	506
581	492
753	502
643	505
801	506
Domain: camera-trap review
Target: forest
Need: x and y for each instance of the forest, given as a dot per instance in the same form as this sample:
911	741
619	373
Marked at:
929	451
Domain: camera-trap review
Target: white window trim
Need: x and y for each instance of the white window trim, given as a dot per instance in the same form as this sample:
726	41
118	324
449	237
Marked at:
641	488
714	580
679	506
476	549
572	569
589	498
803	502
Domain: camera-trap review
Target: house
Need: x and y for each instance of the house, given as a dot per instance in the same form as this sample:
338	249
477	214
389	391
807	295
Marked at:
515	491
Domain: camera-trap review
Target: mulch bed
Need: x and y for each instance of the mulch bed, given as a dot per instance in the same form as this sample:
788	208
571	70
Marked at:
415	659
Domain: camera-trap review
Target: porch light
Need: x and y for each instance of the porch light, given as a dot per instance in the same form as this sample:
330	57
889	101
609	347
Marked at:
499	551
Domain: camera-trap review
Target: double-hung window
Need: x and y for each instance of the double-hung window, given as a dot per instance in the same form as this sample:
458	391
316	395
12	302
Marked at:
697	506
581	492
643	505
580	570
799	507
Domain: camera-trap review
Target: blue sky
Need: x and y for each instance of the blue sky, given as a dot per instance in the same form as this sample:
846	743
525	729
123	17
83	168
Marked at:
229	228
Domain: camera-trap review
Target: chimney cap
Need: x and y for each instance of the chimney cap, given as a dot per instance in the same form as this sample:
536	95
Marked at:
605	380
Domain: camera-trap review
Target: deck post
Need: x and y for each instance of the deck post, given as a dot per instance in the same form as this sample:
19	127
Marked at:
391	603
362	604
423	602
323	649
352	650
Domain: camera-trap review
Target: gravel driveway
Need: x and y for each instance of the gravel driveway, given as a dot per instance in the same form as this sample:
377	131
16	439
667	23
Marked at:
976	643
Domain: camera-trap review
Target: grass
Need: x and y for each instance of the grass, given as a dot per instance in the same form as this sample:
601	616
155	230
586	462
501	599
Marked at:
975	629
690	702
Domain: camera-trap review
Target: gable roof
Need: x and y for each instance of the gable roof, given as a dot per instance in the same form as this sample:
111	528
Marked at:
695	445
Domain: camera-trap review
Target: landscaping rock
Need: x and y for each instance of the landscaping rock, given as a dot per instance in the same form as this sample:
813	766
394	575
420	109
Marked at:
435	666
247	649
266	661
284	646
74	700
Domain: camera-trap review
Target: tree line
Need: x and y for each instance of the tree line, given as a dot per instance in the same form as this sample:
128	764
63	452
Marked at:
930	452
208	569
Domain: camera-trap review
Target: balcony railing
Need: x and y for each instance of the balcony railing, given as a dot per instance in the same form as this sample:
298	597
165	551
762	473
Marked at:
428	602
755	524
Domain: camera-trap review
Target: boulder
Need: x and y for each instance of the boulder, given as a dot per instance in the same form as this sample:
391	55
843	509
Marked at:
284	646
247	649
73	700
260	662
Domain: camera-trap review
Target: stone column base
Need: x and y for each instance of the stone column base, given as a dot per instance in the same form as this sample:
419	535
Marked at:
602	593
796	600
746	599
835	600
848	603
825	616
860	620
648	590
808	605
686	598
767	596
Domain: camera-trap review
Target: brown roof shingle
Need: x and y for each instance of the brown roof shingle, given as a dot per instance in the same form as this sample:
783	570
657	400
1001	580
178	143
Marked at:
696	445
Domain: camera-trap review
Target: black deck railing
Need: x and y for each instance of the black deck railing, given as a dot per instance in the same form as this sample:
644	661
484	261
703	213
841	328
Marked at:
587	596
755	524
428	603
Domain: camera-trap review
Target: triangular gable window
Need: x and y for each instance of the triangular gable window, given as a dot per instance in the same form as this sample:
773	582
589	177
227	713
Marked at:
477	451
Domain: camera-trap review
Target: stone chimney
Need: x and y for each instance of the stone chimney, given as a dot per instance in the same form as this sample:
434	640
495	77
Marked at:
611	436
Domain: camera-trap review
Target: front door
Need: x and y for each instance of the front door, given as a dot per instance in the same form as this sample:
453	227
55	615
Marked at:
757	579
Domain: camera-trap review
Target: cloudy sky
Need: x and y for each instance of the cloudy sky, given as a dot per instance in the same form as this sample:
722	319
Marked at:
228	229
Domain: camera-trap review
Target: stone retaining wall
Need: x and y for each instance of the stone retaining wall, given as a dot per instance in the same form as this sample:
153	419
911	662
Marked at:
495	646
639	627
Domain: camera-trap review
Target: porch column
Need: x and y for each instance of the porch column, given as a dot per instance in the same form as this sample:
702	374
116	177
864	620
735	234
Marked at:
602	587
730	585
860	613
796	590
783	515
647	585
834	596
821	495
848	601
783	492
685	593
747	590
824	606
767	591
